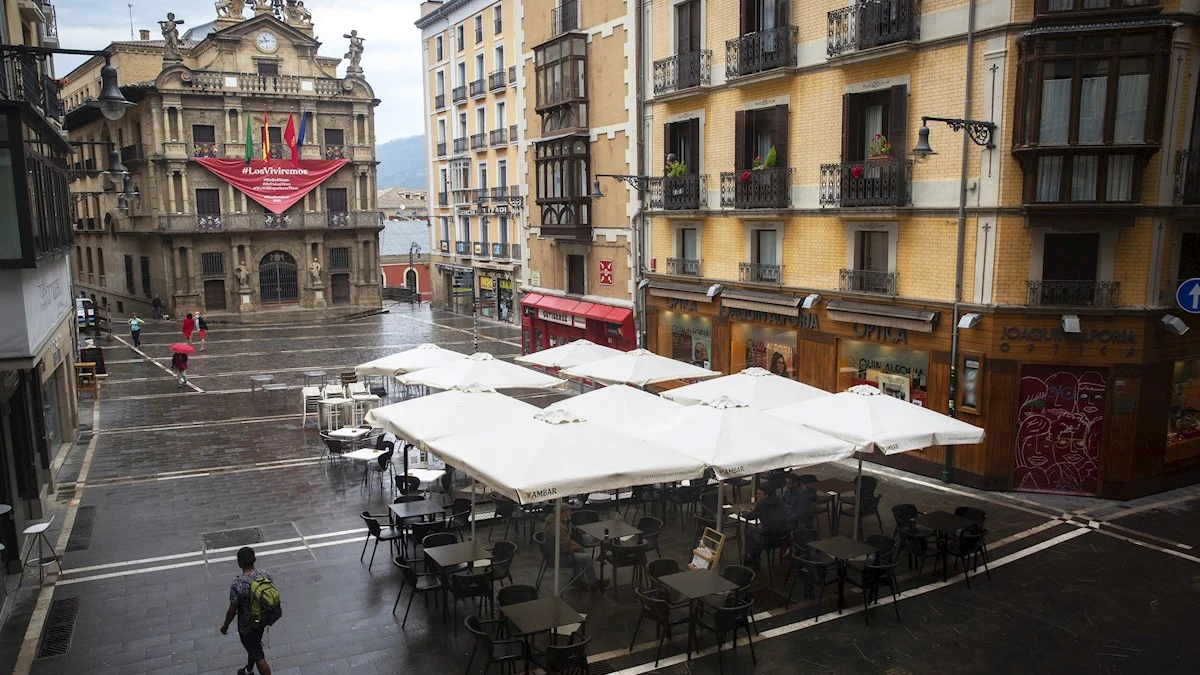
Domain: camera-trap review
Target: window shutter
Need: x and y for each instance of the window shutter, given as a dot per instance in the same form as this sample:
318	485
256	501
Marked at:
667	143
694	25
748	23
898	121
739	140
780	113
849	128
693	146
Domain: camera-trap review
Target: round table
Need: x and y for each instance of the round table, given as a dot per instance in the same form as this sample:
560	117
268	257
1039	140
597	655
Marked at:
4	508
318	375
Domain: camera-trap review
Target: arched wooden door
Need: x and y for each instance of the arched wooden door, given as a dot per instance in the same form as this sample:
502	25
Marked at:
277	279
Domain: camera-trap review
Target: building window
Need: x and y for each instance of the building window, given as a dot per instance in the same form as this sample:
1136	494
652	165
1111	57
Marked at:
576	275
445	228
560	72
459	43
871	114
336	200
145	264
437	47
128	274
91	267
478	29
268	68
497	19
1189	257
204	133
563	184
872	251
682	139
1070	256
335	137
339	258
212	264
687	243
100	264
208	201
498	57
764	248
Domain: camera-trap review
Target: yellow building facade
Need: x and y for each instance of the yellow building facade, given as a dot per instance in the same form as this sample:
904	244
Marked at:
791	227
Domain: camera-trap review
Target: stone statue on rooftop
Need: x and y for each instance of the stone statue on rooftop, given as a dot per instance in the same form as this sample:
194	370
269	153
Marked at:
170	32
354	55
232	9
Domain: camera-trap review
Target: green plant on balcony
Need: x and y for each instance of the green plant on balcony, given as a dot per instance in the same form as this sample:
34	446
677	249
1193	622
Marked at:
760	163
879	147
676	169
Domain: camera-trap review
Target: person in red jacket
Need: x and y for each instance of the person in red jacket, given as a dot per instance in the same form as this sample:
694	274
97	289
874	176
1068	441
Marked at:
189	325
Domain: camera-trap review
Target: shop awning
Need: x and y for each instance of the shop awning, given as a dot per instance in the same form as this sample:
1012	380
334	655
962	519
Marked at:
788	305
667	289
618	315
588	310
919	320
531	299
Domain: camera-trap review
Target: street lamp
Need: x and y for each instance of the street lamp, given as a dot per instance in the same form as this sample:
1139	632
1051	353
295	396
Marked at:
980	133
111	102
639	183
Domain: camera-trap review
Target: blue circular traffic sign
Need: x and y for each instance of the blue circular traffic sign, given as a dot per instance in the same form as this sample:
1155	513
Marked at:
1188	296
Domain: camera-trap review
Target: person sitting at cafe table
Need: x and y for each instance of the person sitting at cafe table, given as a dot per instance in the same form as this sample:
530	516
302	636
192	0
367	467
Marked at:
570	552
799	502
773	528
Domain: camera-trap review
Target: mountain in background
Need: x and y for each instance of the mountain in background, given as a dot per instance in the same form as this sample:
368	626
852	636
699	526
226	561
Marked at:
402	163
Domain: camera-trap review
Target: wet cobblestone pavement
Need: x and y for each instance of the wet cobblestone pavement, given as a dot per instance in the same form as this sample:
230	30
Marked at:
161	475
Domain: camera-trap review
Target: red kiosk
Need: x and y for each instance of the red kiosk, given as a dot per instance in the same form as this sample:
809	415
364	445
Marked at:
548	321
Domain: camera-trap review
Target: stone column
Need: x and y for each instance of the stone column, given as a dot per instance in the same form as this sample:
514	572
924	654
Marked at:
171	191
187	202
191	268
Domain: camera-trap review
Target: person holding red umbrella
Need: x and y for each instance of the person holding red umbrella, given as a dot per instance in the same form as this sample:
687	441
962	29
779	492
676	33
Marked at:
179	361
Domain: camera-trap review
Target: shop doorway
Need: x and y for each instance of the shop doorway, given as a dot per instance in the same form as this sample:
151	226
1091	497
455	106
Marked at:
1060	426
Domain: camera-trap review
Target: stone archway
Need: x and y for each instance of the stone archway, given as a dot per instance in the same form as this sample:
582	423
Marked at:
277	279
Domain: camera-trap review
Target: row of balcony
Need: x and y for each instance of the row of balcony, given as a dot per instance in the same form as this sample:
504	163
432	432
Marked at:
863	26
241	222
496	138
467	196
1041	293
882	182
481	249
276	151
23	78
496	81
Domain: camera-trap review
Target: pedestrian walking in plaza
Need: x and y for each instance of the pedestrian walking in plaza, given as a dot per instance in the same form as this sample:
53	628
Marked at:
189	326
254	600
156	308
135	330
201	329
179	364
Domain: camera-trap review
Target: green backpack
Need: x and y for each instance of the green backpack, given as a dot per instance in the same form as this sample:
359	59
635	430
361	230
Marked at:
265	605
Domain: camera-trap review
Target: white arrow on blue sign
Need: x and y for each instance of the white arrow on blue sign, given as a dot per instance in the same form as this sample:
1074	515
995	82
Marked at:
1188	296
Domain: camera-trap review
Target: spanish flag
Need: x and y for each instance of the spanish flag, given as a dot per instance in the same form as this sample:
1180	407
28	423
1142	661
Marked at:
249	140
266	138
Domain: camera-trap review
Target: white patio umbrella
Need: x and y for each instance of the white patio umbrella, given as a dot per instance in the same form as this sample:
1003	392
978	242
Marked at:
619	407
639	367
872	420
484	370
557	454
571	354
410	360
756	387
460	410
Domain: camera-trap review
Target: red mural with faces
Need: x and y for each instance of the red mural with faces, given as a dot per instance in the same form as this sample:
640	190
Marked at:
1059	429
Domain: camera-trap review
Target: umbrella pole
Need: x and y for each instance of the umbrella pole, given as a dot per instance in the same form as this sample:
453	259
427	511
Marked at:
557	541
472	508
858	500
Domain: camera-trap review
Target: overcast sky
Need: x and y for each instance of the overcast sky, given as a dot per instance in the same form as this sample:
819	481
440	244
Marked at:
391	60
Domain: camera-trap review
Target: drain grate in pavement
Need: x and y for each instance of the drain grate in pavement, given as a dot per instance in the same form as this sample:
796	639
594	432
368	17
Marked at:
59	628
81	532
230	538
602	668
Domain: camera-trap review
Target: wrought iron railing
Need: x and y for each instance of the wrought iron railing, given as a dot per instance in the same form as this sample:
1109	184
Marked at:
462	247
679	193
308	220
205	150
762	51
1053	293
336	151
460	145
481	249
761	189
443	199
439	101
499	250
1187	177
515	251
22	79
441	149
132	153
512	76
872	23
496	80
877	182
208	222
463	197
684	267
478	88
459	94
478	141
337	219
277	221
867	281
565	17
498	136
683	71
759	273
512	133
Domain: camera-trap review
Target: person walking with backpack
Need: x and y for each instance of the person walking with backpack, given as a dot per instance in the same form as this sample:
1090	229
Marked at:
179	365
201	329
135	330
254	600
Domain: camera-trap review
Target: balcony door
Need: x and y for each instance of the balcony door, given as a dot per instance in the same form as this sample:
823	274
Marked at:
872	262
763	15
756	132
683	140
866	115
688	43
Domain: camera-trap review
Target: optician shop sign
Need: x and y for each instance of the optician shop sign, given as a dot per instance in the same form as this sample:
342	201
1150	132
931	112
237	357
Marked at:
562	317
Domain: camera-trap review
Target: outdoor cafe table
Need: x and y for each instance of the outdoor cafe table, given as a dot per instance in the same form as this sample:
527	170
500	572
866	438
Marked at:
539	616
451	555
608	529
834	487
842	549
693	585
416	509
945	524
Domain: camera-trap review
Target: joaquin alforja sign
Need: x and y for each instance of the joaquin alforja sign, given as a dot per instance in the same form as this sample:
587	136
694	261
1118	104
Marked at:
274	183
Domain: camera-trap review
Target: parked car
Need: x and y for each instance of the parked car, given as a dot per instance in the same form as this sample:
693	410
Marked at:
85	313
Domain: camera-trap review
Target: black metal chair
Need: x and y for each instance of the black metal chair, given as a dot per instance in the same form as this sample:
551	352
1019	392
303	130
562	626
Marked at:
380	533
871	577
725	621
503	553
661	568
546	550
419	583
378	465
655	607
516	593
459	515
647	496
685	499
506	652
584	517
816	575
800	539
568	659
968	546
408	485
868	505
619	554
468	585
418	532
651	528
508	511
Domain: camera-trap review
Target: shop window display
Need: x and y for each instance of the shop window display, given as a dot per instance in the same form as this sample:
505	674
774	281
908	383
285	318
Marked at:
898	372
1183	420
763	347
685	337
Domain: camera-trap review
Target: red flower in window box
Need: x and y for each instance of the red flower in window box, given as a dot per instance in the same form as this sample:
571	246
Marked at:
745	175
856	171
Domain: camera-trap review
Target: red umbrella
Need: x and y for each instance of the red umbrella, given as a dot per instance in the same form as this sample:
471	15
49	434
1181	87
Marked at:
183	348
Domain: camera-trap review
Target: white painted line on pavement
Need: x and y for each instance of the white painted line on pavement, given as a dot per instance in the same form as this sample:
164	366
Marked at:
1149	506
188	475
146	356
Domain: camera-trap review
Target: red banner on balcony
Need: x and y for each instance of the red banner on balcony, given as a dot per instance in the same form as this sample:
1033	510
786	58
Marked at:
274	183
